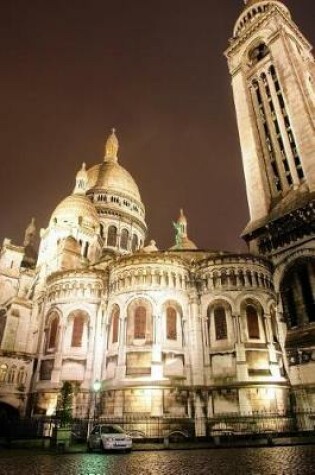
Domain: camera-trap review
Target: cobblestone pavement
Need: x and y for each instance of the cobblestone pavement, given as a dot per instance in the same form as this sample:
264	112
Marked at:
299	460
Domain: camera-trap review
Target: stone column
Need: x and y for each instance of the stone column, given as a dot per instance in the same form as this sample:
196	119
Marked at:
121	364
89	360
195	339
200	419
157	365
56	372
119	404
157	402
210	411
245	402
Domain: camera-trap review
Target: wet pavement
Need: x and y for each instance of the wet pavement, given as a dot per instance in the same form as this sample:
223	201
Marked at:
297	460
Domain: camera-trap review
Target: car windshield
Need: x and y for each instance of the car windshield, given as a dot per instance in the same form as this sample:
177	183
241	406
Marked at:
111	430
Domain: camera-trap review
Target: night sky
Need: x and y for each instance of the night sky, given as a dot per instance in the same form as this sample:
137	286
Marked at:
71	70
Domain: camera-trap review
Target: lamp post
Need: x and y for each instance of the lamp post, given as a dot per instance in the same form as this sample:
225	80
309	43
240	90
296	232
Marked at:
96	388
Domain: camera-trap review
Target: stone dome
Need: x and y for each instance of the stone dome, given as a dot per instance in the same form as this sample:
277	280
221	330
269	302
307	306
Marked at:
74	209
112	177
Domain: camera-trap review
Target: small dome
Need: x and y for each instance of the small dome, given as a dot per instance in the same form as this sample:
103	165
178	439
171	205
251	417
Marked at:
184	245
74	209
187	243
111	176
81	181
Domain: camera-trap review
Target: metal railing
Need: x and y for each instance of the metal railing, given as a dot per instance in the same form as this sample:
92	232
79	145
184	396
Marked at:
150	428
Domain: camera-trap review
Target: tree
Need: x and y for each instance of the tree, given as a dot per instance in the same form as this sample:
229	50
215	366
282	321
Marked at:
64	404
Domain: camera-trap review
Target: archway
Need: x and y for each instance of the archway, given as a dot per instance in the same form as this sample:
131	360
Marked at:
8	417
297	290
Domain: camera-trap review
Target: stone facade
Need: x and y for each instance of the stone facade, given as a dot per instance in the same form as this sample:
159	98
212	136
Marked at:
195	335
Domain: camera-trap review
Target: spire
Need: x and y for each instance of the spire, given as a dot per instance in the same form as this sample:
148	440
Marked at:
181	237
81	181
111	148
182	223
30	234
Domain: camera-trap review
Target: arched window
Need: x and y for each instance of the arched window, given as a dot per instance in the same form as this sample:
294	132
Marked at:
171	323
297	293
21	375
140	322
220	323
3	372
11	374
223	277
124	237
257	53
233	278
252	322
53	332
135	243
112	236
77	331
115	325
241	278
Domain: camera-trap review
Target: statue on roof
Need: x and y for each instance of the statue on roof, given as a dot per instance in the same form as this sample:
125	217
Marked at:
178	233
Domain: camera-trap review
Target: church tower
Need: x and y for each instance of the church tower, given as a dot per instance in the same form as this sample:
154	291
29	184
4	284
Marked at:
273	81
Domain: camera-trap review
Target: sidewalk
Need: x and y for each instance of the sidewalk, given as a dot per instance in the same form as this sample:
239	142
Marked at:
42	446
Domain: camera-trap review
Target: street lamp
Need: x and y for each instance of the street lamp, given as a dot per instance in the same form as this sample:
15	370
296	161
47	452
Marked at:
96	388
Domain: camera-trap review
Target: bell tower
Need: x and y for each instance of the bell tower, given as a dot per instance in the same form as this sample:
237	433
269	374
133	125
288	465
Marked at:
273	80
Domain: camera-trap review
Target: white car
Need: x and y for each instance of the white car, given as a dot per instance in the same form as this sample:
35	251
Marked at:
109	437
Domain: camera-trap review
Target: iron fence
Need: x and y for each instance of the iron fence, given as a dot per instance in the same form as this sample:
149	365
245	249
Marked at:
150	428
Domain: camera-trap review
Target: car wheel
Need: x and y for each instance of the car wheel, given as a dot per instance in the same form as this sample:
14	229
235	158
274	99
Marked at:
127	451
89	448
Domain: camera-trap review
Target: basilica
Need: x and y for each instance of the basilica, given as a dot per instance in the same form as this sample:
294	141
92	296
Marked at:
186	334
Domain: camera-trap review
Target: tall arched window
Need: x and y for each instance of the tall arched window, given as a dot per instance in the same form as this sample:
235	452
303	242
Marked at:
220	323
3	372
112	236
135	243
77	331
124	237
115	325
224	280
11	374
171	323
53	332
140	322
252	322
21	375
